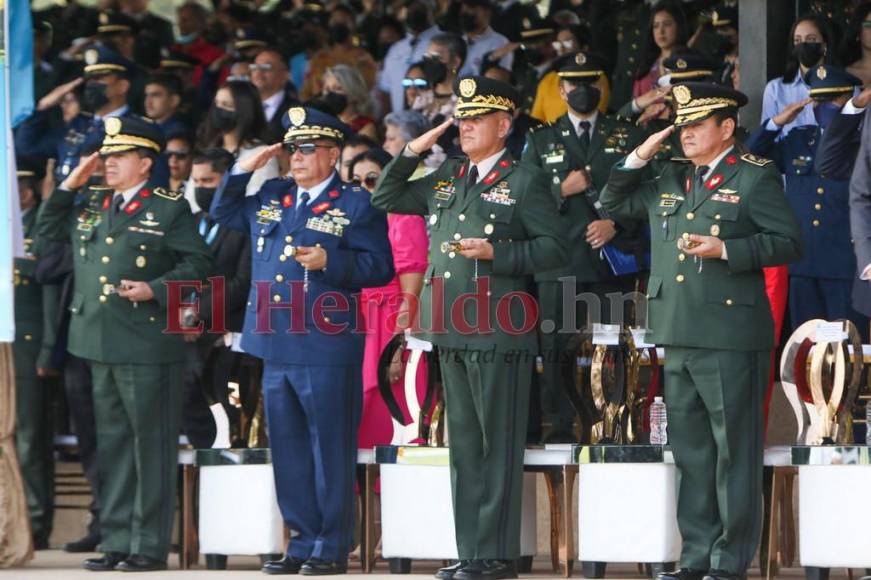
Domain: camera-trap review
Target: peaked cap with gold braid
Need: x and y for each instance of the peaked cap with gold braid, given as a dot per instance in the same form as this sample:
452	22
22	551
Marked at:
482	96
696	102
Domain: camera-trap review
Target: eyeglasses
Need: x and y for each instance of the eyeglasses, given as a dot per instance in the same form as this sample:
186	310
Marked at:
368	182
264	67
179	154
416	83
305	148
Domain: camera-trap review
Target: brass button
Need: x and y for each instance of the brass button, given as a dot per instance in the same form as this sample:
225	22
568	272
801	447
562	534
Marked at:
152	319
818	206
103	279
462	217
28	337
679	278
820	190
105	259
282	258
691	216
488	229
452	255
287	239
82	238
816	223
110	240
432	220
728	302
681	257
103	299
141	246
276	298
457	236
279	278
665	213
492	216
716	217
447	274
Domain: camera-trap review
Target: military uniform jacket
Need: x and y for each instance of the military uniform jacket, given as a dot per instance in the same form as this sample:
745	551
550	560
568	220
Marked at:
36	137
822	205
556	149
718	304
154	240
513	208
328	330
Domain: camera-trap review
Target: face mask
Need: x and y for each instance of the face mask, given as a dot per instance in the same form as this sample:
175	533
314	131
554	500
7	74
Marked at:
94	96
434	70
339	34
824	112
584	99
808	53
336	102
417	20
221	119
468	22
204	196
187	38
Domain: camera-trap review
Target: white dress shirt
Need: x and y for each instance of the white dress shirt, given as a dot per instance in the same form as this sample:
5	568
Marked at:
479	46
399	57
576	122
129	193
271	104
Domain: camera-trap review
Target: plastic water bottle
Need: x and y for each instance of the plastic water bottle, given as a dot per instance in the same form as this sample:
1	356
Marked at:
868	423
658	422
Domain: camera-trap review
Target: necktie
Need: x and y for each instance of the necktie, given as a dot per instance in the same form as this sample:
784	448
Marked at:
117	202
302	204
701	170
473	177
584	136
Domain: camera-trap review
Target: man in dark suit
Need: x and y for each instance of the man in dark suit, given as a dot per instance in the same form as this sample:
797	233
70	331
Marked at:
860	210
270	75
218	363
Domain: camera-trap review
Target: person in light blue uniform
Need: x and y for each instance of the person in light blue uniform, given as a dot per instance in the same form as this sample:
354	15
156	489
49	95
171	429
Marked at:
316	242
821	283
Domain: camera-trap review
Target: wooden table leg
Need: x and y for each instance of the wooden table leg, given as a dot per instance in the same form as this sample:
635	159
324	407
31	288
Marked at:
787	516
567	549
370	526
554	483
770	567
190	534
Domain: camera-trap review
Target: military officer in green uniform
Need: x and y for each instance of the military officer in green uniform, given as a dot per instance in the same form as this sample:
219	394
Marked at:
577	151
36	309
716	219
129	239
493	224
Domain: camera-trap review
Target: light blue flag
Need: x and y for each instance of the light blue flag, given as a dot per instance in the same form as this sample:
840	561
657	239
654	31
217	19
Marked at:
19	46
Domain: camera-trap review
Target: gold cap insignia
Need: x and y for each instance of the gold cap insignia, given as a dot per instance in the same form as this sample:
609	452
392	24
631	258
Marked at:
715	16
104	18
113	126
296	116
580	58
821	73
467	88
527	23
682	94
240	33
681	63
92	56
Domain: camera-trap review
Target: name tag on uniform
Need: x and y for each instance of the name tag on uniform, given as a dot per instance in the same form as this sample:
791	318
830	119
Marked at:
555	158
669	199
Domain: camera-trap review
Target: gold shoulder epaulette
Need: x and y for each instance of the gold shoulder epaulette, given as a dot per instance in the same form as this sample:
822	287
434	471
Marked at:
756	160
171	195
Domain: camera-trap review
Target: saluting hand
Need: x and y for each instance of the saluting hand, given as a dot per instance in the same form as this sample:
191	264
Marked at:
476	249
428	139
862	99
79	176
651	145
260	159
788	114
55	96
709	247
312	258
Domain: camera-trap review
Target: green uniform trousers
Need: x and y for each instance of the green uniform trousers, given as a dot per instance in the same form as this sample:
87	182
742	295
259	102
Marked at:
714	400
33	438
138	412
487	403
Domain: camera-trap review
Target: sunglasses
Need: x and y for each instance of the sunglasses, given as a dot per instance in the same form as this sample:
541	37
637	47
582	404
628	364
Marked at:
416	83
179	154
264	67
368	182
305	148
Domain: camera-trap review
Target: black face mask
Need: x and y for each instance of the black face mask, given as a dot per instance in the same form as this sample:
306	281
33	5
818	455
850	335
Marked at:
222	120
468	22
336	102
584	99
339	34
417	20
808	53
434	70
204	196
94	96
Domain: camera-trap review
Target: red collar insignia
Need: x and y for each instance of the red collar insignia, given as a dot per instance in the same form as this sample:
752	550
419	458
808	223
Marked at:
333	194
689	184
106	202
145	193
134	205
714	181
491	177
287	200
462	172
504	164
731	160
320	208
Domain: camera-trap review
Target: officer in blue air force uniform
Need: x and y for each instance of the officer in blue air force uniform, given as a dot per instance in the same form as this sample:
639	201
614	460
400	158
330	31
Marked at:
311	235
821	283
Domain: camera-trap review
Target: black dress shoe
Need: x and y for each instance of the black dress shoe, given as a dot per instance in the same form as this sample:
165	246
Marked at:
487	570
287	565
140	563
105	563
723	575
682	574
318	567
86	544
448	573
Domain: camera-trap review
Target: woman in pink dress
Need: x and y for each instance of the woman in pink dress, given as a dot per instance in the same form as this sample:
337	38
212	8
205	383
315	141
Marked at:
386	311
667	31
